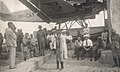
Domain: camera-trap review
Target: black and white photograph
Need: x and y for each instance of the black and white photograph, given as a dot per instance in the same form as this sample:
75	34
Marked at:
59	35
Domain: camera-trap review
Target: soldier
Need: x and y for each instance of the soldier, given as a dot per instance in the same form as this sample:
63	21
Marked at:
59	50
115	47
41	41
11	39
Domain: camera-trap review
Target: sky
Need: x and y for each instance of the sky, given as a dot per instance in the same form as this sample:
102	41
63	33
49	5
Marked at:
15	5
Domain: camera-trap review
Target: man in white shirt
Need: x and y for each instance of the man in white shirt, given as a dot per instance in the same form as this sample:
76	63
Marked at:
87	46
59	50
78	47
63	44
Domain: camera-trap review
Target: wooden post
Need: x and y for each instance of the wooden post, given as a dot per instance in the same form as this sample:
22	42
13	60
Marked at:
109	19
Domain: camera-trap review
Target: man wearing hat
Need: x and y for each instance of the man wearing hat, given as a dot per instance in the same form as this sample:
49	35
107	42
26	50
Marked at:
41	40
115	47
87	46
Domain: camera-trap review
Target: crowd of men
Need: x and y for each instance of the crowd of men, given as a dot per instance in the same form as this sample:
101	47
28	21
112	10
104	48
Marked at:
31	45
58	42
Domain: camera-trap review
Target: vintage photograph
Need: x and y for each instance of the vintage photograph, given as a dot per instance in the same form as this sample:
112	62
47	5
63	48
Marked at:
59	35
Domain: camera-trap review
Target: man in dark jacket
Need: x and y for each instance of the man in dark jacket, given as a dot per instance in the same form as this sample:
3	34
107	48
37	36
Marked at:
19	39
115	47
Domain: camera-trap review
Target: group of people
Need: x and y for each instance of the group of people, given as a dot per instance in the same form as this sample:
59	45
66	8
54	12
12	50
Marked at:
30	45
66	39
58	42
85	44
27	44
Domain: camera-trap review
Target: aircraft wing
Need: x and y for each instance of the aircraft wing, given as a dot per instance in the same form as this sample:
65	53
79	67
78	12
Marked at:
23	16
46	8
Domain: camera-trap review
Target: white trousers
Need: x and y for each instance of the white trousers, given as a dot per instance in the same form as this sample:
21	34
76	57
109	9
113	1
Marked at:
64	46
12	57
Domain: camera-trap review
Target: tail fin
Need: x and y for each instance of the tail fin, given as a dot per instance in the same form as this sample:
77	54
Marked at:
3	8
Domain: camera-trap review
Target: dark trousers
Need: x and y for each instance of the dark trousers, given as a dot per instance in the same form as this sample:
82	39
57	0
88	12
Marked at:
19	42
78	52
98	54
116	58
41	44
0	48
89	52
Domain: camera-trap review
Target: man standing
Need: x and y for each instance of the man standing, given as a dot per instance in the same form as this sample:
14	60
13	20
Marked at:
41	41
63	44
115	47
59	50
19	39
11	43
45	32
1	42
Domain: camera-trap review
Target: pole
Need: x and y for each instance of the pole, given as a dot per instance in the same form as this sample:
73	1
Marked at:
109	19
